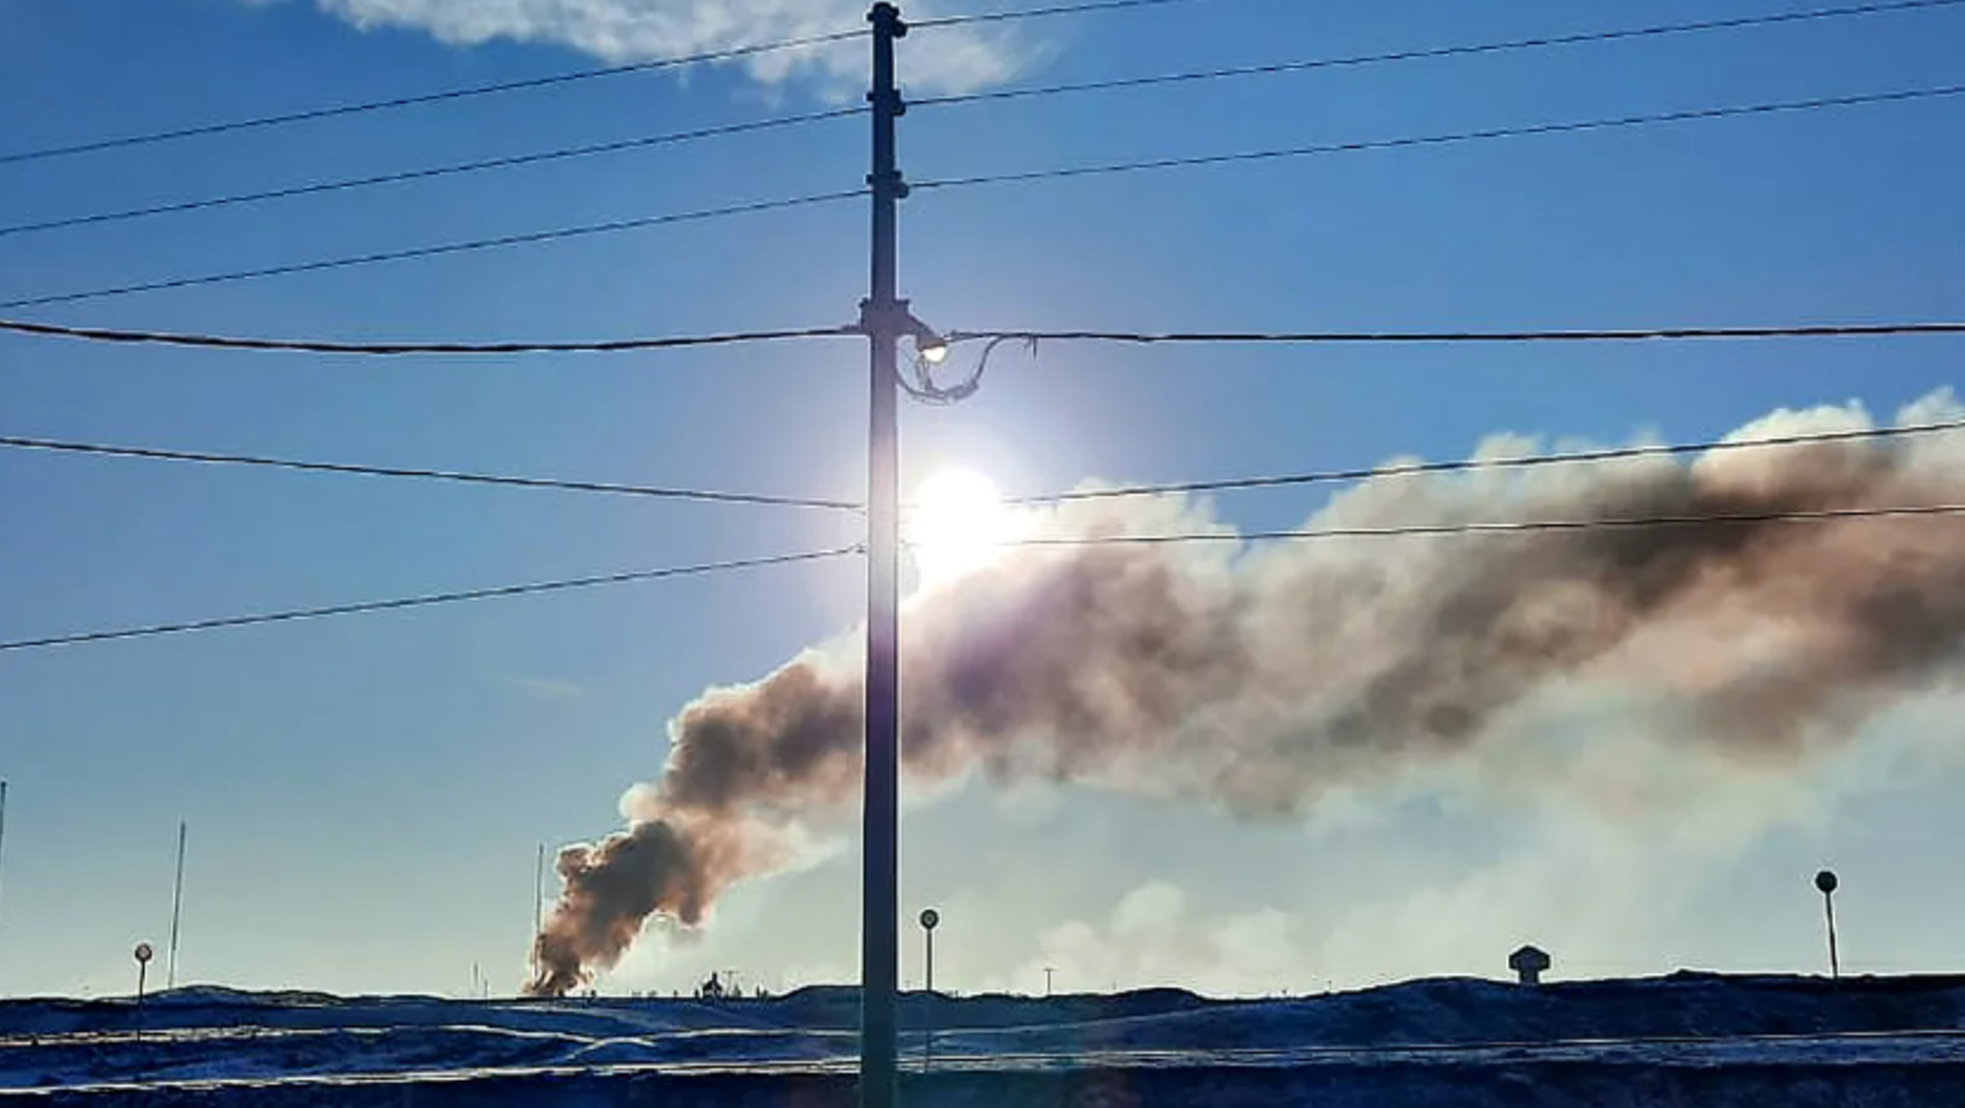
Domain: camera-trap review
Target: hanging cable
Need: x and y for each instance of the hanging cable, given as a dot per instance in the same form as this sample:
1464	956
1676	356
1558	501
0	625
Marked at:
1089	7
1326	338
1501	527
398	349
427	600
442	249
1540	42
654	492
924	387
1532	461
317	188
466	92
736	53
1447	139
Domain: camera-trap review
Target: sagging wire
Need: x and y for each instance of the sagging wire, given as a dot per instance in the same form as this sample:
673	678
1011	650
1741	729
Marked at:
929	354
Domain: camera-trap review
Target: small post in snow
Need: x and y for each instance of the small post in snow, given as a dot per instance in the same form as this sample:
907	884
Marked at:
930	919
1827	883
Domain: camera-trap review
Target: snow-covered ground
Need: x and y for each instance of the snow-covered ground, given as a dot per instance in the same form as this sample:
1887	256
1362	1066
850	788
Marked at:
1683	1040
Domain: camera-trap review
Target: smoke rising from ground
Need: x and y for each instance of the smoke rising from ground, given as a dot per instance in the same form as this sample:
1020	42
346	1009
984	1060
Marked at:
1257	680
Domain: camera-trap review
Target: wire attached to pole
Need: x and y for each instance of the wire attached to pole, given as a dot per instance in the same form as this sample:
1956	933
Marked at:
400	603
924	387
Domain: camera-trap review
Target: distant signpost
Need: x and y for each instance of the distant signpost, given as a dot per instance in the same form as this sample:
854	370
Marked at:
930	919
143	956
1826	882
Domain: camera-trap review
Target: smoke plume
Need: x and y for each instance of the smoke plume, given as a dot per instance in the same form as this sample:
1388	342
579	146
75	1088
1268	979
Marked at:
1255	679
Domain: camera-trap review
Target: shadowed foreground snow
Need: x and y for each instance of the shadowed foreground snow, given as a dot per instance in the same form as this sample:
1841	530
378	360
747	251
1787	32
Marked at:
1690	1039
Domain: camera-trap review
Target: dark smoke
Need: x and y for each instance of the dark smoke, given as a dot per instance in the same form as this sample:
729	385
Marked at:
1257	682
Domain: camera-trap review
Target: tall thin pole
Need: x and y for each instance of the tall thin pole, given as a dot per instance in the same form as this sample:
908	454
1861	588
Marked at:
1835	959
882	316
3	829
928	1008
177	910
539	891
1826	883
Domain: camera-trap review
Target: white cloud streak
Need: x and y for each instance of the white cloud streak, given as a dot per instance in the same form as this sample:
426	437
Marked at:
619	31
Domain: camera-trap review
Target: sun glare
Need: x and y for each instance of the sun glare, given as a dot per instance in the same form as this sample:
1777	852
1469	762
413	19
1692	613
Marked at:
957	524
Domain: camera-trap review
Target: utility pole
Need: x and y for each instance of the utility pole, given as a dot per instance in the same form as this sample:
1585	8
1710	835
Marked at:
883	317
1049	971
177	910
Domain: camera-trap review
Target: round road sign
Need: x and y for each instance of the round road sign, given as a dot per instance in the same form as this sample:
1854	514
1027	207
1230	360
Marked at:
144	953
930	918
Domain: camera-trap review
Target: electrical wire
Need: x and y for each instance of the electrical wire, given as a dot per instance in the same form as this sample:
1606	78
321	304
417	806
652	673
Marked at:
427	600
471	91
1502	527
1532	461
924	387
1666	334
462	93
437	250
1437	52
316	188
991	340
995	179
463	477
1447	139
1090	7
400	349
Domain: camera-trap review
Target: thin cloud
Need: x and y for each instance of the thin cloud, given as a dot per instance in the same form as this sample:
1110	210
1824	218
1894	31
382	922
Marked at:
617	31
549	688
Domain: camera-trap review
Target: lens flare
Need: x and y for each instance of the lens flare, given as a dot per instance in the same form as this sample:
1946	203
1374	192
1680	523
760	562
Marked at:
957	526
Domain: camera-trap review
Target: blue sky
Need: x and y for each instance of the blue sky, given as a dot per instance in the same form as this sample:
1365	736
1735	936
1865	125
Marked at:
365	794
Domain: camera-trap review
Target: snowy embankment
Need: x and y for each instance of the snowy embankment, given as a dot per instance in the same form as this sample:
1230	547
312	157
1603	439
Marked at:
1684	1040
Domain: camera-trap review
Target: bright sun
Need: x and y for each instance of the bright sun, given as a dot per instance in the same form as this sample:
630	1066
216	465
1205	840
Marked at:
957	524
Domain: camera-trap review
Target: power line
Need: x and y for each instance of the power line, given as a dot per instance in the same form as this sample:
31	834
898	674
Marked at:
465	92
927	390
438	250
649	491
1449	138
731	338
1527	462
993	179
495	88
1438	52
397	349
1315	338
316	188
1090	7
296	614
1502	527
